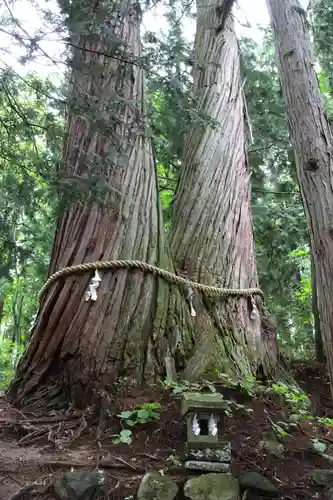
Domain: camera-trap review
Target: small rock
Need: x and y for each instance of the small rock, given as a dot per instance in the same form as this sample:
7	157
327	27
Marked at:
272	448
77	485
154	486
328	494
258	484
322	477
212	487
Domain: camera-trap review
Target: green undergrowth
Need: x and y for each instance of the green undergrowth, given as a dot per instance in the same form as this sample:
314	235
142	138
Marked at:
142	414
290	397
10	353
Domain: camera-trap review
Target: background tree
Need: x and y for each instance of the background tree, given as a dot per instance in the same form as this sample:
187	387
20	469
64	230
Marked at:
281	235
312	140
321	20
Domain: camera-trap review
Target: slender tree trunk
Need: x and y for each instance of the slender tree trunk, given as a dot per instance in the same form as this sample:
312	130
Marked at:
320	355
79	347
313	144
2	305
212	233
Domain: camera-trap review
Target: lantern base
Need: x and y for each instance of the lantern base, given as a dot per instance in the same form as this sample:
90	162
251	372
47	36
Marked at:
207	466
208	452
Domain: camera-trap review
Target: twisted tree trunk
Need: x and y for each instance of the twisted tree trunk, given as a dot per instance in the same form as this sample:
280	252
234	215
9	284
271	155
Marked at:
313	144
79	347
137	325
212	233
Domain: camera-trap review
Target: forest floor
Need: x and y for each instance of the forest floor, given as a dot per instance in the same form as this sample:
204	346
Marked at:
35	449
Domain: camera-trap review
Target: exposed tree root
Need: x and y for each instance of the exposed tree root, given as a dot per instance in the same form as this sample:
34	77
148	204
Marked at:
30	490
59	430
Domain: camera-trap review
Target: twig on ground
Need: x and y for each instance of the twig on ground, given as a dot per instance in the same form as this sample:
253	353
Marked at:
242	458
13	478
124	462
81	429
148	455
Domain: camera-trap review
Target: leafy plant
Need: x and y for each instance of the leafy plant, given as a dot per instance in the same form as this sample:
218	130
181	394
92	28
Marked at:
292	395
328	422
319	446
124	437
142	414
249	385
280	429
10	353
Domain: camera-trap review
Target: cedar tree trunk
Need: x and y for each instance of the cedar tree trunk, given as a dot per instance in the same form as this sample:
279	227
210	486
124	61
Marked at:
313	144
212	233
79	347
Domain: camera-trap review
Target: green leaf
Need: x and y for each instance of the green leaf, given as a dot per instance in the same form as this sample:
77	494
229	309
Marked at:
319	446
126	433
143	414
154	415
125	436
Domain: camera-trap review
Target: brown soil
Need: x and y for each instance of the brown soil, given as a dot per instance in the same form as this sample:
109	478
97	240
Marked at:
37	448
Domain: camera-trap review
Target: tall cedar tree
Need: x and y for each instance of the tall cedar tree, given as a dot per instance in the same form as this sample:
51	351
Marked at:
313	142
211	231
138	322
79	347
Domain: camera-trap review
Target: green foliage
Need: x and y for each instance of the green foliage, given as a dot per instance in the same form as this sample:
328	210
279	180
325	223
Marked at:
142	414
28	134
304	292
29	151
319	446
322	28
295	398
247	385
280	429
124	437
10	353
327	421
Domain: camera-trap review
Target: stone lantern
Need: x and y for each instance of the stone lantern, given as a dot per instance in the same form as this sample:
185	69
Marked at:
204	414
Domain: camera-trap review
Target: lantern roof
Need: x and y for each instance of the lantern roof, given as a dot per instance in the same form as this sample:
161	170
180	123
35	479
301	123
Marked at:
202	401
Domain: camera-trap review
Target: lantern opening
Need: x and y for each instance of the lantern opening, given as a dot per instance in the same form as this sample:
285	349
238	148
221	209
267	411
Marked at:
204	427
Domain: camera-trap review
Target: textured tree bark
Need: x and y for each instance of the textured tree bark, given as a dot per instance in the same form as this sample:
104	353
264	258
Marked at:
312	140
79	347
212	233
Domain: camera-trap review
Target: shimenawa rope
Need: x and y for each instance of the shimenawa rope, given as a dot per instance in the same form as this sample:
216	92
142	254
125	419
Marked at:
143	266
